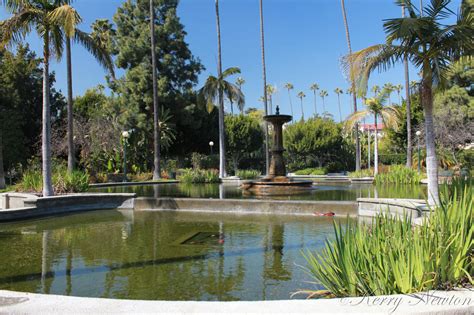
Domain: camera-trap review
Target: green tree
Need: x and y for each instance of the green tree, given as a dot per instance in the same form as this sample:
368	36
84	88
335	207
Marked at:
431	48
289	87
244	136
239	82
353	86
314	87
270	91
323	95
375	107
40	15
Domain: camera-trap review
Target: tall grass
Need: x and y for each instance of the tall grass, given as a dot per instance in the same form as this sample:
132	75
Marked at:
198	176
390	256
312	171
361	173
248	174
398	174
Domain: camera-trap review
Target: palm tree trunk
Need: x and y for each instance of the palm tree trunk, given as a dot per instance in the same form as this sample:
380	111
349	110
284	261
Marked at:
431	160
2	170
315	105
291	105
70	120
354	96
222	170
376	148
264	74
231	107
46	128
156	121
408	107
324	106
368	150
339	106
302	110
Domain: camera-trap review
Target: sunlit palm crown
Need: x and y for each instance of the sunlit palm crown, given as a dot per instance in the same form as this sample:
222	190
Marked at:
210	91
314	87
424	40
289	86
323	93
301	95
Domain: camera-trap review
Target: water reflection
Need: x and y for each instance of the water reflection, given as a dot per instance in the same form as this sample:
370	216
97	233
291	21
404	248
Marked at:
107	254
231	190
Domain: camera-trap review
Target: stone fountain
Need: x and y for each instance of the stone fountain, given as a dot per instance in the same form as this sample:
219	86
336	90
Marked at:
276	182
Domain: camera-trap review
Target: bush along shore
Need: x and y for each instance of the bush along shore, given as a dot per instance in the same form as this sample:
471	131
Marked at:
391	256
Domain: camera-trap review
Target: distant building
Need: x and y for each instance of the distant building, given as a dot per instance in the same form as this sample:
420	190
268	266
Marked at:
371	127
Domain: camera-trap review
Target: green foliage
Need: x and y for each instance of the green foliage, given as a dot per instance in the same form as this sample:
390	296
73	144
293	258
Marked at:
361	173
390	256
63	182
248	174
316	142
244	137
198	176
312	171
398	174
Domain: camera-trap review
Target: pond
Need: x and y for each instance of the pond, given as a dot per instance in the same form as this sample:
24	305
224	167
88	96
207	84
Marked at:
161	255
232	191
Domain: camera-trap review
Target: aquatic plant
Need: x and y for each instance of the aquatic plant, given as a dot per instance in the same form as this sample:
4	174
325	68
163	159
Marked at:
398	174
391	256
312	171
248	174
198	176
361	173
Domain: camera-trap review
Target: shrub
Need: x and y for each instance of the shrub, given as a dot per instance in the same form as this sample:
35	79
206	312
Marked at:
198	176
248	174
398	174
63	182
390	256
312	171
361	173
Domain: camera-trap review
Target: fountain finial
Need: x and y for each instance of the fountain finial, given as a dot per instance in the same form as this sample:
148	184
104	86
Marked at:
277	110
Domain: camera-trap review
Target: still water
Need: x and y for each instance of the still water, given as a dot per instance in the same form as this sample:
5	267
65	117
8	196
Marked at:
232	191
161	255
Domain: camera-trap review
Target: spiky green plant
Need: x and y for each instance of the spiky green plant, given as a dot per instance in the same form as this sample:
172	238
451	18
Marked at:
398	174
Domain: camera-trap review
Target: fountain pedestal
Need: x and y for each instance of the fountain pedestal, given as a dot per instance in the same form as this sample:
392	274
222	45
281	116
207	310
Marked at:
276	182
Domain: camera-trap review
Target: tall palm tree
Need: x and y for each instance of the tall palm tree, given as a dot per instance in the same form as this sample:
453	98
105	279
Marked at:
239	82
398	88
264	77
2	170
323	95
220	95
431	47
270	91
408	105
156	120
301	95
353	86
42	16
314	87
214	86
289	87
338	92
375	106
389	88
69	18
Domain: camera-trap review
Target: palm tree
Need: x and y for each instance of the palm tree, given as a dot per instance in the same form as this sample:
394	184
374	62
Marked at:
215	86
375	89
239	82
375	106
353	86
270	91
40	15
389	88
264	77
338	92
323	94
70	18
408	105
300	96
432	47
2	171
220	92
398	88
314	87
290	87
156	121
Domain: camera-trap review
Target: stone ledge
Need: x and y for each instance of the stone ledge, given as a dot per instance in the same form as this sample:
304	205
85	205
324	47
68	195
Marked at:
370	207
460	302
119	184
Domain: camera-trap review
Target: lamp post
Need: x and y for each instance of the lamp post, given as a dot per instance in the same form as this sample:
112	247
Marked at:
418	134
211	145
125	136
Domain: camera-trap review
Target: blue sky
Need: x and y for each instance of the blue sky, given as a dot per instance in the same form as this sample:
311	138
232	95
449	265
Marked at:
304	42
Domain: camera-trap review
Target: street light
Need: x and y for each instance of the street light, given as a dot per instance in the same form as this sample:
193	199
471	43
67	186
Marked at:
418	134
211	144
125	136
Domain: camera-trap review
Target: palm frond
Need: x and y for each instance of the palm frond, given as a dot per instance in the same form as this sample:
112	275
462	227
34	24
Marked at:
230	71
67	17
15	28
96	49
354	118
